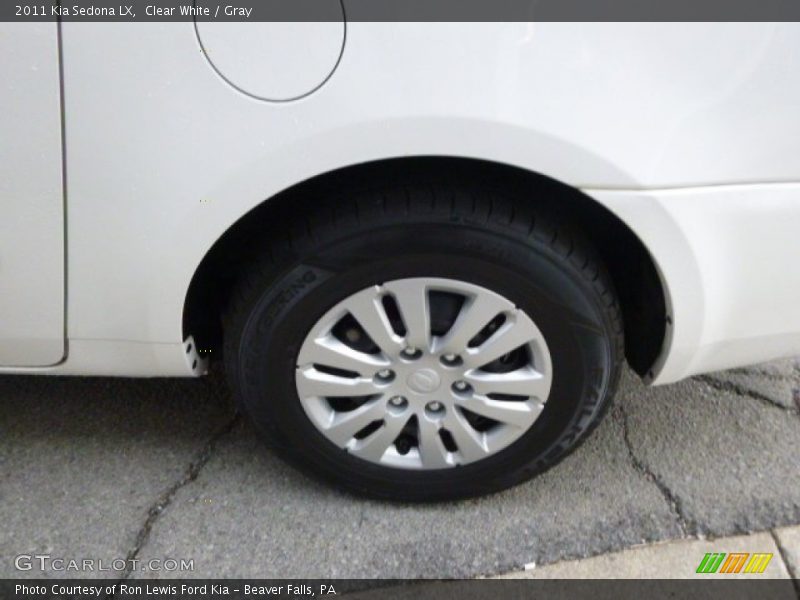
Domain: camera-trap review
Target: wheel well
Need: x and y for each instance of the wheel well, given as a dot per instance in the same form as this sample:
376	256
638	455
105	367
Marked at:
630	265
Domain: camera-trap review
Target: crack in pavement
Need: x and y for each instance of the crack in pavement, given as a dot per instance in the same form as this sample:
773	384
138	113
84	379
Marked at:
769	375
164	500
688	528
795	577
733	388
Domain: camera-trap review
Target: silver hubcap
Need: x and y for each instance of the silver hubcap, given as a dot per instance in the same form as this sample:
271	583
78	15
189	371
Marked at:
424	373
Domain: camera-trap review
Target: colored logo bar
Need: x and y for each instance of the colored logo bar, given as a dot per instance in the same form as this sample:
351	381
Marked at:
735	562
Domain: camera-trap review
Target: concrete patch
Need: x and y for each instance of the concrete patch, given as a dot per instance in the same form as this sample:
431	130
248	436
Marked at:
789	540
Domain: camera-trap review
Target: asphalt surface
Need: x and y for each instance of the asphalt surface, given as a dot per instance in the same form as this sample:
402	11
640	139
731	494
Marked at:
156	469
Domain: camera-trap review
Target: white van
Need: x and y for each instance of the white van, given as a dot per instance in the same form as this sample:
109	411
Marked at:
422	250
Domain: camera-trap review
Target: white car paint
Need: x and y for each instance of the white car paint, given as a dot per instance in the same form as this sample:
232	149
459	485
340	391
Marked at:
729	255
31	197
689	132
252	57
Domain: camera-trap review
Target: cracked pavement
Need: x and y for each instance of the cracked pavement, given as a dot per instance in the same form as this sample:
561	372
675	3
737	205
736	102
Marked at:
154	469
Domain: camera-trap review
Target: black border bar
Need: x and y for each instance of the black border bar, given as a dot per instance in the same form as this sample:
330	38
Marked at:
319	589
400	10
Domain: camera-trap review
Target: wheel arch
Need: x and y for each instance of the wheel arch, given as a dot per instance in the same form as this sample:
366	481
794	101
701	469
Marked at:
636	276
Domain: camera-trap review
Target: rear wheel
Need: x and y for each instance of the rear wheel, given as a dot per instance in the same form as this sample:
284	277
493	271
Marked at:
427	354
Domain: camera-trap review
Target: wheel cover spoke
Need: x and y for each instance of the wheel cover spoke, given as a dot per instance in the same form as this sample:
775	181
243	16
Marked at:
366	308
432	450
476	313
518	414
331	352
525	382
377	443
344	425
314	383
471	443
515	332
444	405
412	300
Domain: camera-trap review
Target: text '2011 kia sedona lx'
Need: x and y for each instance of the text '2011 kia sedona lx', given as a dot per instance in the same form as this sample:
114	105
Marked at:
421	250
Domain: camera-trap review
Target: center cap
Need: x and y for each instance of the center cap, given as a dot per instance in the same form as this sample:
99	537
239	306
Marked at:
424	381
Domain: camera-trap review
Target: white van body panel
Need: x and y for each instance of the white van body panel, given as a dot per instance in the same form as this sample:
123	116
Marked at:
31	197
689	132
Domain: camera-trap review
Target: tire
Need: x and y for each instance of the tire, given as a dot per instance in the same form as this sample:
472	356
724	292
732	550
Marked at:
446	234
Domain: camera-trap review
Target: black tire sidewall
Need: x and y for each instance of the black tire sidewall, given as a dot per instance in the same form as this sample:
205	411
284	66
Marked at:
547	286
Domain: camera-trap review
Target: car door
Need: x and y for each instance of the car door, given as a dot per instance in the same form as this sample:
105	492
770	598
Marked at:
31	197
